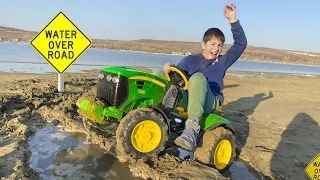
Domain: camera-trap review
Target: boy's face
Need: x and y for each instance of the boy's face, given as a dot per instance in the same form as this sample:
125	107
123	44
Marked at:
212	48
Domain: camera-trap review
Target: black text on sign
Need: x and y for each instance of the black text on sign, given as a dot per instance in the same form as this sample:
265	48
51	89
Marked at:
60	48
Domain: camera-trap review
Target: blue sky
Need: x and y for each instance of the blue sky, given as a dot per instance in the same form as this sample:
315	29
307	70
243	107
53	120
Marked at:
284	24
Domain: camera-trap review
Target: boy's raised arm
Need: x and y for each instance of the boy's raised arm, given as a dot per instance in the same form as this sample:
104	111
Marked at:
240	40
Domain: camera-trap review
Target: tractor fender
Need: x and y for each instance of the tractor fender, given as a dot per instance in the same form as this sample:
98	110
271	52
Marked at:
221	124
158	110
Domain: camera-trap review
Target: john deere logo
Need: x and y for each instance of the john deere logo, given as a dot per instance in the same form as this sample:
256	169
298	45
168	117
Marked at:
140	91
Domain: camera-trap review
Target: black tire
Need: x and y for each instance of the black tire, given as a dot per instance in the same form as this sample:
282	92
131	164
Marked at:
123	134
208	144
105	131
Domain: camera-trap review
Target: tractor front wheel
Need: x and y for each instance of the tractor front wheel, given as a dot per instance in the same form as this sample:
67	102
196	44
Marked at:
107	130
141	133
217	149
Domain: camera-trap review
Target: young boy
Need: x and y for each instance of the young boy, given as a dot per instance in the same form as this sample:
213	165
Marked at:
206	71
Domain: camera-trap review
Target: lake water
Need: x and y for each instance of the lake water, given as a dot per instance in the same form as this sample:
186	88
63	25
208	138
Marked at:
21	57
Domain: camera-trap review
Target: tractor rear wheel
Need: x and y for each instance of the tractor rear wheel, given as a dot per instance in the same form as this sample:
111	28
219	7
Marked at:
216	149
142	133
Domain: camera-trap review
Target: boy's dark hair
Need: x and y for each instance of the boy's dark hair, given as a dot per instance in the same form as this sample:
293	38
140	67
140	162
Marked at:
213	32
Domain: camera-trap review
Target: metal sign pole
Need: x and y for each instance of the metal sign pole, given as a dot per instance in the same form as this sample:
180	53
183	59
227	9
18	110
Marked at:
60	82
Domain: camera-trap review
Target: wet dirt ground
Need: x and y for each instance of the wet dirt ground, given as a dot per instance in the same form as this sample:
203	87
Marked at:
276	118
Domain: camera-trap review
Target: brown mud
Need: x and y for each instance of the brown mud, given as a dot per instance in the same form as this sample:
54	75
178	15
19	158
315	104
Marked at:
276	118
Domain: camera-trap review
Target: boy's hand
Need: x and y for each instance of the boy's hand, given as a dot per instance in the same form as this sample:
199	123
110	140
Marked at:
230	12
166	67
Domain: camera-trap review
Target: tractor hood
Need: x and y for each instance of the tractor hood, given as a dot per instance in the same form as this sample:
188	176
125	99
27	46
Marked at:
132	72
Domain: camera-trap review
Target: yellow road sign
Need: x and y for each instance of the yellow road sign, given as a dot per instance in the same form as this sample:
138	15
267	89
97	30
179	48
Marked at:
61	42
313	168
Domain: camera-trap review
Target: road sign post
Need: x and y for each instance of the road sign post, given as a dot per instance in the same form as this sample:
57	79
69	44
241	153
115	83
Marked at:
61	43
60	82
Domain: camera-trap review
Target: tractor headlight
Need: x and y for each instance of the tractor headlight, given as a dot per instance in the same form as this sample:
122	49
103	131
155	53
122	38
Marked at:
115	79
109	78
101	76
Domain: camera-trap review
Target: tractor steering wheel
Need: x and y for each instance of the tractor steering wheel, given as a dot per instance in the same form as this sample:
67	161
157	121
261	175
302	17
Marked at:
178	77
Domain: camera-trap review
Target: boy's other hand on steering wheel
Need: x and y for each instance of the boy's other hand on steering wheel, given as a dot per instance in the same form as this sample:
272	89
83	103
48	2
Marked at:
166	67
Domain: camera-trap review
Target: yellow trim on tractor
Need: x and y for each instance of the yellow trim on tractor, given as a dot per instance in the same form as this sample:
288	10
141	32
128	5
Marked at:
148	79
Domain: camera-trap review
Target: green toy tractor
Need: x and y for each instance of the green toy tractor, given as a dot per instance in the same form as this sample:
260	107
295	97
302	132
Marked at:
145	112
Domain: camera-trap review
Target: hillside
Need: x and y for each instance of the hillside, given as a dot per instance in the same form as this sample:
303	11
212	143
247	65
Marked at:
179	47
13	34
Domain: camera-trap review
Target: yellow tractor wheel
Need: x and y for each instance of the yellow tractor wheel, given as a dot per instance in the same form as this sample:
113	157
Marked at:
141	133
216	148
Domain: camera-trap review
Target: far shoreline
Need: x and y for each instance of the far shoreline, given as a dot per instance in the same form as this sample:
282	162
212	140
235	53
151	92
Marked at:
182	55
238	59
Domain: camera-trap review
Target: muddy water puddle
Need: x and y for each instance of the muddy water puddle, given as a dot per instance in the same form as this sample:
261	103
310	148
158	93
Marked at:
238	171
63	155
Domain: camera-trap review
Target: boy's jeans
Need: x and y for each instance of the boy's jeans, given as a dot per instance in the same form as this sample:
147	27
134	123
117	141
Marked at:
199	97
